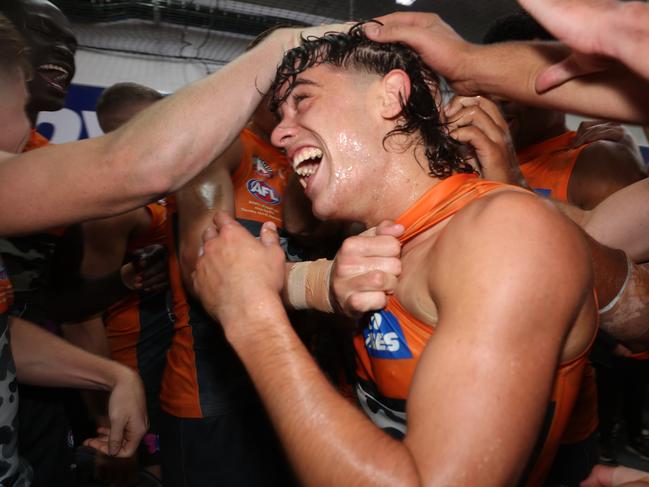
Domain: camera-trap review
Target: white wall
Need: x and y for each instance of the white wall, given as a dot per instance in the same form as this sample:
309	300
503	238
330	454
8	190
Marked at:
177	56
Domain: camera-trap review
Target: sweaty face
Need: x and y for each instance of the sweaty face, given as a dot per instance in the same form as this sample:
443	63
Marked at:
52	45
332	132
13	117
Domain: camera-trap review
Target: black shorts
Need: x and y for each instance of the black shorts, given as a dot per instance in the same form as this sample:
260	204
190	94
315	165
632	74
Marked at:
239	448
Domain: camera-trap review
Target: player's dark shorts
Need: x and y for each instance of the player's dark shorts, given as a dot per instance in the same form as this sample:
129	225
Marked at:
238	448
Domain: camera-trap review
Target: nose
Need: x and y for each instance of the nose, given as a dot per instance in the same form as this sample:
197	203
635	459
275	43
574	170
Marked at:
283	133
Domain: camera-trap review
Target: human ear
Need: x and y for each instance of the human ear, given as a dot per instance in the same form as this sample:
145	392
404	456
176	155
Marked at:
396	91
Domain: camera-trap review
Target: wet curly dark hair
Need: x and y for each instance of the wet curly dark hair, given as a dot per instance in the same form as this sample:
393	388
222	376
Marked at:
419	113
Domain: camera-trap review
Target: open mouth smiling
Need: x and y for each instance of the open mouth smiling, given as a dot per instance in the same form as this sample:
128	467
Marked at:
305	163
55	75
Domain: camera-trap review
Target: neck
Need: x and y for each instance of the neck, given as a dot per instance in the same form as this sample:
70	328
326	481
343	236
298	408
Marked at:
405	181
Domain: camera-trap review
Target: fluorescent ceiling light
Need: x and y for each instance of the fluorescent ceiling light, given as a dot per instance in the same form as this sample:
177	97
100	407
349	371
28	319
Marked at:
407	3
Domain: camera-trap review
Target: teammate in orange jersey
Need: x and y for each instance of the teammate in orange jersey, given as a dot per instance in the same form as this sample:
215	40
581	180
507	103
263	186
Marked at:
488	364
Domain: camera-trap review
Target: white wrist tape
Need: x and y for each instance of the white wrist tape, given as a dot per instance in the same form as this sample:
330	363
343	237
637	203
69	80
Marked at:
308	285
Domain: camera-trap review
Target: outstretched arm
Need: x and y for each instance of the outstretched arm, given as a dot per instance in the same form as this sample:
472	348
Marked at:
593	28
156	152
510	70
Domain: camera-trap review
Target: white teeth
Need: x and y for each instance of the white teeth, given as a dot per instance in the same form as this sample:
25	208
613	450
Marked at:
306	171
305	154
54	67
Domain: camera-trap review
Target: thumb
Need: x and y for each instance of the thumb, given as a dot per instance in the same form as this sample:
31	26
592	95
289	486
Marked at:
388	227
573	66
557	74
115	436
268	234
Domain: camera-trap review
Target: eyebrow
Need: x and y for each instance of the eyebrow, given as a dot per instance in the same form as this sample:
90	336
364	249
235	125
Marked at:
304	81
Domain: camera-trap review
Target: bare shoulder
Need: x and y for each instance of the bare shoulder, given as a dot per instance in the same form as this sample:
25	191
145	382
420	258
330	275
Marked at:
510	233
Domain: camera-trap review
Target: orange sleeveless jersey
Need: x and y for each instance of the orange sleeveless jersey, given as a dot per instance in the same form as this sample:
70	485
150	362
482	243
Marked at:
547	167
36	141
194	384
127	320
392	340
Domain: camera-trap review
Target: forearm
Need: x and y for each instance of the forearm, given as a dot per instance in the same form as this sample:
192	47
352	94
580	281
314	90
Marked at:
44	359
328	440
509	70
157	152
89	335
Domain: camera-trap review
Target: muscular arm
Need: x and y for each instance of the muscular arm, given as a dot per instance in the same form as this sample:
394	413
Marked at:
603	168
198	202
493	316
490	328
157	152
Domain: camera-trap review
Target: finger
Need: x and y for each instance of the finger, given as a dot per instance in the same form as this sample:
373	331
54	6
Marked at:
389	228
268	234
359	303
221	219
367	265
612	134
386	227
559	73
116	435
209	233
368	246
397	29
479	104
376	280
476	117
100	444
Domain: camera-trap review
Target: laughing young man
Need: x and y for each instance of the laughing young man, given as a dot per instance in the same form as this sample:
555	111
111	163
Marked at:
481	347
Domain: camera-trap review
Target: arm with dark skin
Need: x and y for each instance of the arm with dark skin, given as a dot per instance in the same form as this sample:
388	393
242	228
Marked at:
207	194
603	168
328	440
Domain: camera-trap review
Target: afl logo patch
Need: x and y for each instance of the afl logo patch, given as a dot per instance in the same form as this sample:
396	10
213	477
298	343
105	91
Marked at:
261	167
263	192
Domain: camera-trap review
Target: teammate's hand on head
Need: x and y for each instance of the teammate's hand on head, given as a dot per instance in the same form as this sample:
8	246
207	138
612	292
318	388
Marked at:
127	414
437	43
366	269
478	122
151	269
236	270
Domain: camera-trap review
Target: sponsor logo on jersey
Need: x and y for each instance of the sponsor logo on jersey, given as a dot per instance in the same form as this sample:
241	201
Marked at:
384	337
263	192
545	193
261	167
